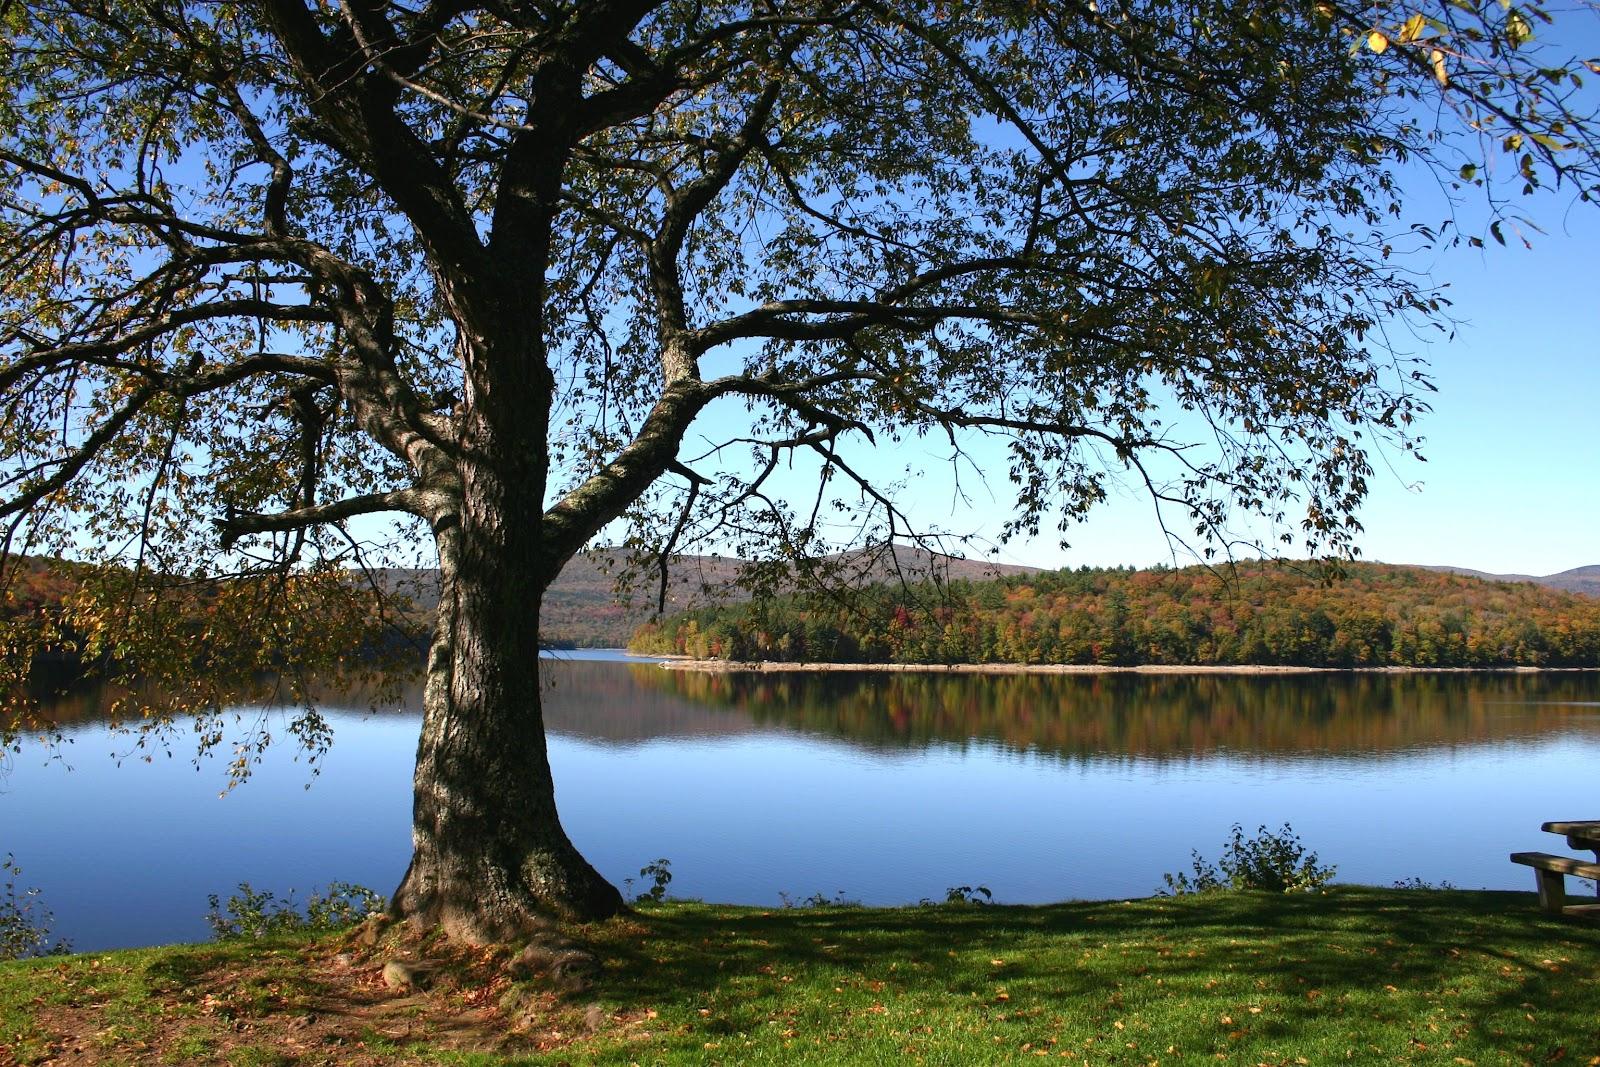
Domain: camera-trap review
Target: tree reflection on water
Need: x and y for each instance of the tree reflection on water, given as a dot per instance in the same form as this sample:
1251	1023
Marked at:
1147	716
1156	716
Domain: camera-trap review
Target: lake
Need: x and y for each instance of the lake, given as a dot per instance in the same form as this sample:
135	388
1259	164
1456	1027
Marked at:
885	788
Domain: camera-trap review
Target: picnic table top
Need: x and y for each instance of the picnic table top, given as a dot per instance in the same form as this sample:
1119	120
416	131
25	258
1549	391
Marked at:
1587	830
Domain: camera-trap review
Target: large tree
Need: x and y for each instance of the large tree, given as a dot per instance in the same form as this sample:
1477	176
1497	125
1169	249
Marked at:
271	265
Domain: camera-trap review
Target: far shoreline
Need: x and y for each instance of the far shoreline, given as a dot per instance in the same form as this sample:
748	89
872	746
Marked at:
719	666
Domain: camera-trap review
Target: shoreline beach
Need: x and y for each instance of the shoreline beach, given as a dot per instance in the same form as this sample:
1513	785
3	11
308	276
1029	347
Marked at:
717	666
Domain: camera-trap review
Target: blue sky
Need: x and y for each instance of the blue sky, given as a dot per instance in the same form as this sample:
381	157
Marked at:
1513	449
1512	482
1513	446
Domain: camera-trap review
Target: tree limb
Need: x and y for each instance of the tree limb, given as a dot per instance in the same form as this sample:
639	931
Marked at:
242	524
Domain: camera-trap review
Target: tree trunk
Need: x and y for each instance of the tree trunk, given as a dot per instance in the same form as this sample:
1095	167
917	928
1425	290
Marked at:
490	859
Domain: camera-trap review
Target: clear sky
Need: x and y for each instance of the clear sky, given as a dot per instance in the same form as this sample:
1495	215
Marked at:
1512	479
1512	482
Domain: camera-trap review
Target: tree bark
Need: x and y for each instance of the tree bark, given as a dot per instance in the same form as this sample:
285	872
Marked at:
490	859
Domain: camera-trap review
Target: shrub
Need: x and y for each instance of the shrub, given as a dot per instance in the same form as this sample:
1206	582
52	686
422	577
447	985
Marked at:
1274	862
1417	882
660	874
24	921
818	900
963	894
258	913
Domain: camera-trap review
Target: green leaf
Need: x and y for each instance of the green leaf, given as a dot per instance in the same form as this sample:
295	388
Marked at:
1469	171
1518	29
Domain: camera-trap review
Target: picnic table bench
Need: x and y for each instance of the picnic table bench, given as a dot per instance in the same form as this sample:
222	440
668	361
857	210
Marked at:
1550	871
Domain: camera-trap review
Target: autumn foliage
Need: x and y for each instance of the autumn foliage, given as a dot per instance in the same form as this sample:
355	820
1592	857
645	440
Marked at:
1374	615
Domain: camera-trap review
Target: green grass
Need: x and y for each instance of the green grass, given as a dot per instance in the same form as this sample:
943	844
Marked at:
1357	975
134	998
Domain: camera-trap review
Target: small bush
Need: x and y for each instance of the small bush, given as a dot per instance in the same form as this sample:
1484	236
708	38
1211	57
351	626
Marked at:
660	874
963	894
1415	882
1274	862
818	900
24	921
252	913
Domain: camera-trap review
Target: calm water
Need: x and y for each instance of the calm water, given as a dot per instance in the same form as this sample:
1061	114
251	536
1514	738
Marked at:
889	788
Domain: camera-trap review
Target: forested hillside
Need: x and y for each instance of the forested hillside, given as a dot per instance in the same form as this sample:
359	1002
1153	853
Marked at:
1259	613
587	606
59	618
596	602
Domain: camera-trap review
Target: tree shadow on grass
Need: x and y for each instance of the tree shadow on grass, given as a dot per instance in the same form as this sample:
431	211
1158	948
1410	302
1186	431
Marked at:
1355	971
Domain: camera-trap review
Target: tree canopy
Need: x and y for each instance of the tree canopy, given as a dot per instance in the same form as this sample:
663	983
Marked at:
272	265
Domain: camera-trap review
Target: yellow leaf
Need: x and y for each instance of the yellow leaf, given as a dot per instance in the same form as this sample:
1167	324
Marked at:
1439	71
1412	29
1518	31
1377	42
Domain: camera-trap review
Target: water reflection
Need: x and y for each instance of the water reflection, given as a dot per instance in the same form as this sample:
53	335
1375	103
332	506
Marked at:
1150	716
1153	716
890	787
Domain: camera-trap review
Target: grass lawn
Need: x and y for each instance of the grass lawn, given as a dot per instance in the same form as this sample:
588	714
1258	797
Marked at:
1358	975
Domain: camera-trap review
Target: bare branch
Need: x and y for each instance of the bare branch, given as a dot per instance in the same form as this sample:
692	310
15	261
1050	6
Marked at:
243	524
68	466
670	545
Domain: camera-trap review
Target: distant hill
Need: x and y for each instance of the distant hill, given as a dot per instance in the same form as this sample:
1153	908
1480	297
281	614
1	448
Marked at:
585	609
1585	580
1375	615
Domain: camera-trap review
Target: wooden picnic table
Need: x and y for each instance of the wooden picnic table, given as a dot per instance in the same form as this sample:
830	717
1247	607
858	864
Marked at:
1581	834
1550	871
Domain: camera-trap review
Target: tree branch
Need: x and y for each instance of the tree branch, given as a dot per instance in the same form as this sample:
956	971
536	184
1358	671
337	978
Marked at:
104	353
243	524
68	466
664	557
772	320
